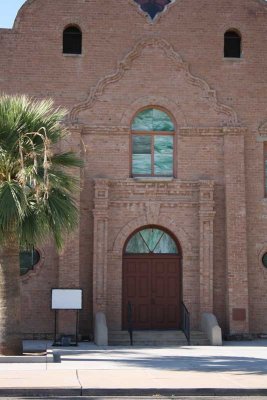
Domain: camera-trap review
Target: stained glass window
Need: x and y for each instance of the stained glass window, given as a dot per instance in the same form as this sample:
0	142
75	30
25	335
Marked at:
152	7
152	144
151	240
152	119
28	259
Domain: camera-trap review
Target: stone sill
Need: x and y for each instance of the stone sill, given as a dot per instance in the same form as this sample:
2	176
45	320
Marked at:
232	59
71	55
153	179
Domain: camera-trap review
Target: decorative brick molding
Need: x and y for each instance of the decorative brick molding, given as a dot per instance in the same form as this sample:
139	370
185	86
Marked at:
262	130
212	131
163	221
124	129
124	65
152	202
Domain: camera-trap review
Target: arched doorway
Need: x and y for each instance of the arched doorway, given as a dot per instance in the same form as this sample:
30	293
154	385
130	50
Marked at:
152	279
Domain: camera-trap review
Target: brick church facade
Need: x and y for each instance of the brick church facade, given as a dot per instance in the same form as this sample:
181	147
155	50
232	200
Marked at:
167	106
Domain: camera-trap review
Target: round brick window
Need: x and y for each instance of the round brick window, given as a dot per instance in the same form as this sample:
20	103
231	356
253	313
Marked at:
28	260
264	260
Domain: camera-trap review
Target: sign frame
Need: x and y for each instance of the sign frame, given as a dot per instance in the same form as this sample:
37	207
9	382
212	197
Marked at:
74	303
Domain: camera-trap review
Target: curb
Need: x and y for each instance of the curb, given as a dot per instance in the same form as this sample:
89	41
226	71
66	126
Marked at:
29	359
40	392
175	392
79	392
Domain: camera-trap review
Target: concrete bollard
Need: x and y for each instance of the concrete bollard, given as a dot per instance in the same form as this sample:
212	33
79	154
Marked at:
100	329
210	326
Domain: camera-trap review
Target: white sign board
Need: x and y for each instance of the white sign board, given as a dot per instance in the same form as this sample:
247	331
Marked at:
66	299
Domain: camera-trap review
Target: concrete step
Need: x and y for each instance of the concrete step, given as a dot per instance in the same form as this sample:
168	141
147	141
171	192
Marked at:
156	338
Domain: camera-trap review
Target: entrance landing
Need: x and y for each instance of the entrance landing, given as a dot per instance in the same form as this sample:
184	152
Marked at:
156	338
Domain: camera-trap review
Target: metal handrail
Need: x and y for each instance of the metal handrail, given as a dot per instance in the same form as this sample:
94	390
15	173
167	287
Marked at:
130	320
186	322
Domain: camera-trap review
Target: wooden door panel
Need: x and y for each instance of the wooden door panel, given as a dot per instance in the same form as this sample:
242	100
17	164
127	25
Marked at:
152	284
172	288
143	314
143	286
165	292
137	270
131	286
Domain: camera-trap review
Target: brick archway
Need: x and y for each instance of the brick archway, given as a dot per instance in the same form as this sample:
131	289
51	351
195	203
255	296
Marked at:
163	221
152	280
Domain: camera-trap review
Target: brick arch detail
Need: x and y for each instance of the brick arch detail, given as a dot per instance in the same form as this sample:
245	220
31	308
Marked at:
162	221
158	101
126	63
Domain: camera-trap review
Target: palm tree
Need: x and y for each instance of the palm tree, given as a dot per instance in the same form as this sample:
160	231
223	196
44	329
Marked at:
37	187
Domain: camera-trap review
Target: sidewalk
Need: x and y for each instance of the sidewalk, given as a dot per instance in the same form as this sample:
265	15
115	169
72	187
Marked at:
234	369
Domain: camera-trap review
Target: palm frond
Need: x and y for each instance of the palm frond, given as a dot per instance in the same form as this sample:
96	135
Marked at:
62	215
12	205
36	185
68	159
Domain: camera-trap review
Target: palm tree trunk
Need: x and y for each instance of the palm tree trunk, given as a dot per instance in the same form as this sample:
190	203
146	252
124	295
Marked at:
10	312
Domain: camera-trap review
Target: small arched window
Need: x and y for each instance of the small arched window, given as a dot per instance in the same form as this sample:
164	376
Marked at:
72	40
152	144
232	44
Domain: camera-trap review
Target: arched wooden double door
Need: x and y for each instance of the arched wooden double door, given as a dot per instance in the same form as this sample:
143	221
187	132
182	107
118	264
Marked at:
152	280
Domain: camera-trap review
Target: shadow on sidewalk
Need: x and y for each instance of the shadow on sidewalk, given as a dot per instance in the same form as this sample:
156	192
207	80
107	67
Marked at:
243	365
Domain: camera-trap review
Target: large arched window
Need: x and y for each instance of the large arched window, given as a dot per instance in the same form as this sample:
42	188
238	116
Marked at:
152	144
232	44
72	40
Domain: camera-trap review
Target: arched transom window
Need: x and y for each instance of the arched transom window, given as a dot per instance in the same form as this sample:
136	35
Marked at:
152	143
151	240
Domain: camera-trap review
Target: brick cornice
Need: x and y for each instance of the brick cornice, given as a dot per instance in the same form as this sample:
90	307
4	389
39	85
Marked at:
212	131
183	131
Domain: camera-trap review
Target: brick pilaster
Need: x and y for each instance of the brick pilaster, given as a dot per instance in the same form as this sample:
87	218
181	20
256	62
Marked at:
236	236
206	218
69	259
100	245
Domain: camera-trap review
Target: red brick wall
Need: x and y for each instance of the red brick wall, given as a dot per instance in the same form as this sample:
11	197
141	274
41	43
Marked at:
152	73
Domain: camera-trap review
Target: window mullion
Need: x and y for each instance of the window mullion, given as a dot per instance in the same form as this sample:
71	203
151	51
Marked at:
152	154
